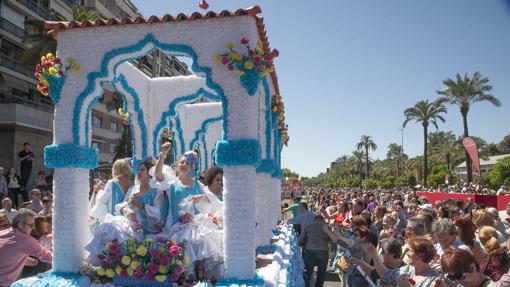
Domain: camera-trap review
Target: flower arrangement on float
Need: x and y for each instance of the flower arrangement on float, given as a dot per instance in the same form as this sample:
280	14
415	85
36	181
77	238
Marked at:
51	73
278	108
256	63
147	263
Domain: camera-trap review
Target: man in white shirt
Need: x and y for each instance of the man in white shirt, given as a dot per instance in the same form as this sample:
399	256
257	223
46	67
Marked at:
7	209
502	191
305	216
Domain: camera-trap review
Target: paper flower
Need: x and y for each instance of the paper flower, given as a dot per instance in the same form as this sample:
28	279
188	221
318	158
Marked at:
51	66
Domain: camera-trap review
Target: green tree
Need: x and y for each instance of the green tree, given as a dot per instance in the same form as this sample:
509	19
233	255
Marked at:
124	147
445	148
358	162
437	175
425	113
42	43
463	92
394	154
366	143
287	173
500	173
504	145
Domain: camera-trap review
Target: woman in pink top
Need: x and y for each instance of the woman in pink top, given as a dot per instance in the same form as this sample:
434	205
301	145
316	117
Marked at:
17	245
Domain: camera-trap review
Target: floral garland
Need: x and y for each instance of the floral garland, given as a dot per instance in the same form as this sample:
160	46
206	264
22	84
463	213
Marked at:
52	67
257	59
250	67
278	107
159	260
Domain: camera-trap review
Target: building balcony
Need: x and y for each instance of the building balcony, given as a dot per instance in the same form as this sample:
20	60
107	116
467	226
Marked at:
12	28
25	115
12	64
32	7
105	133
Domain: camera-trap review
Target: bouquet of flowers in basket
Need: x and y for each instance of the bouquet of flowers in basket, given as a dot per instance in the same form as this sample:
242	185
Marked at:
135	263
52	67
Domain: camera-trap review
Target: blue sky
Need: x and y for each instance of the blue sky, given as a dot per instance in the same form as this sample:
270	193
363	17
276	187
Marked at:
348	68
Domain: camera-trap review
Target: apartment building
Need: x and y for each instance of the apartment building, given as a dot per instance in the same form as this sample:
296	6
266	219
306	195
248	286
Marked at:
26	115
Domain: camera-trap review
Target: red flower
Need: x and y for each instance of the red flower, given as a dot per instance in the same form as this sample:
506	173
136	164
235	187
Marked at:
37	75
275	53
224	60
251	53
203	4
269	57
165	260
508	219
231	68
57	61
257	59
245	41
258	67
37	67
154	253
411	280
149	276
123	273
60	73
153	268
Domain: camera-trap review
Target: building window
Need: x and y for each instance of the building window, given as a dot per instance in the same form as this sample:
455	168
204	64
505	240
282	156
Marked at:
114	127
112	148
97	121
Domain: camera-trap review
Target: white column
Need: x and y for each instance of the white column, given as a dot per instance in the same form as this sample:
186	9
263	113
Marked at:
239	221
263	208
70	218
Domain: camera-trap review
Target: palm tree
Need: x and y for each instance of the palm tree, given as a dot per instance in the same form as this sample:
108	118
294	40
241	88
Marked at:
358	159
425	113
445	148
366	143
394	154
463	92
41	43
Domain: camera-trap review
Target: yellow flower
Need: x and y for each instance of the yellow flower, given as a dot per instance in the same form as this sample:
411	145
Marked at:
248	65
126	260
134	264
110	273
44	94
131	249
130	272
101	272
71	60
141	250
77	69
130	240
217	59
275	109
148	240
240	73
259	44
185	260
43	59
160	278
118	269
230	45
52	71
264	73
39	88
271	69
162	269
238	56
50	57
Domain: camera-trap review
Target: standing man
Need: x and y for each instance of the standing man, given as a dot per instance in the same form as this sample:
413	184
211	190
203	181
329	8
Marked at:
3	184
315	242
26	157
17	245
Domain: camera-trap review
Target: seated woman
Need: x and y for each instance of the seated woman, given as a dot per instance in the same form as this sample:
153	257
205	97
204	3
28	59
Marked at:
189	219
114	191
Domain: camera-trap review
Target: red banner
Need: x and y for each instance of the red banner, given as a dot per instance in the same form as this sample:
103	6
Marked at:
472	150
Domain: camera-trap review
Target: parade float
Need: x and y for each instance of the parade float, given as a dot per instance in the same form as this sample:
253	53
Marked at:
241	127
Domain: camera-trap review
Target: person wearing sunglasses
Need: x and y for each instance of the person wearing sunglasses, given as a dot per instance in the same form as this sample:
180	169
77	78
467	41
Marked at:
460	268
18	246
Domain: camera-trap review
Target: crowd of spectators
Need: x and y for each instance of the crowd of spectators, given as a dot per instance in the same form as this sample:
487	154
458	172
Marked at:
397	238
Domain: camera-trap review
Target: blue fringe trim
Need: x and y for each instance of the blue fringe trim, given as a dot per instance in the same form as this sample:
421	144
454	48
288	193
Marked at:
233	282
52	279
70	155
238	152
266	249
266	166
56	84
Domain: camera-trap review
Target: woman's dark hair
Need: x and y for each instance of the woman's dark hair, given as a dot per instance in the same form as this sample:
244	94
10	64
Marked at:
466	230
211	174
38	230
455	260
147	163
423	247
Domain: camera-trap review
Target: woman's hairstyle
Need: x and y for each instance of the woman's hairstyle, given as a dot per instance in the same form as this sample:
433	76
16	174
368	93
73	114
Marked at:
427	219
423	247
417	225
489	239
379	211
466	230
38	230
121	167
444	226
147	163
211	174
482	217
455	260
359	220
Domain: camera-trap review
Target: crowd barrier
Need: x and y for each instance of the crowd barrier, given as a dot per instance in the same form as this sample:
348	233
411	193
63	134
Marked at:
497	201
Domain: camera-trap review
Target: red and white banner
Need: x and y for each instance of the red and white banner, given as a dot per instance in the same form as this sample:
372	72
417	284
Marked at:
472	150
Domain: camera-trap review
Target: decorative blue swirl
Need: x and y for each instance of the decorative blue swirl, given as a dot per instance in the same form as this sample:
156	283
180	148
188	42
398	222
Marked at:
132	49
70	155
266	166
56	83
203	131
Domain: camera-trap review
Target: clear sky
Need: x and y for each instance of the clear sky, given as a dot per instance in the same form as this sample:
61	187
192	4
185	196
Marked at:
348	68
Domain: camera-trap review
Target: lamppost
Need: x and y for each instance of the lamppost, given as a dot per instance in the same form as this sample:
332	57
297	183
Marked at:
401	152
